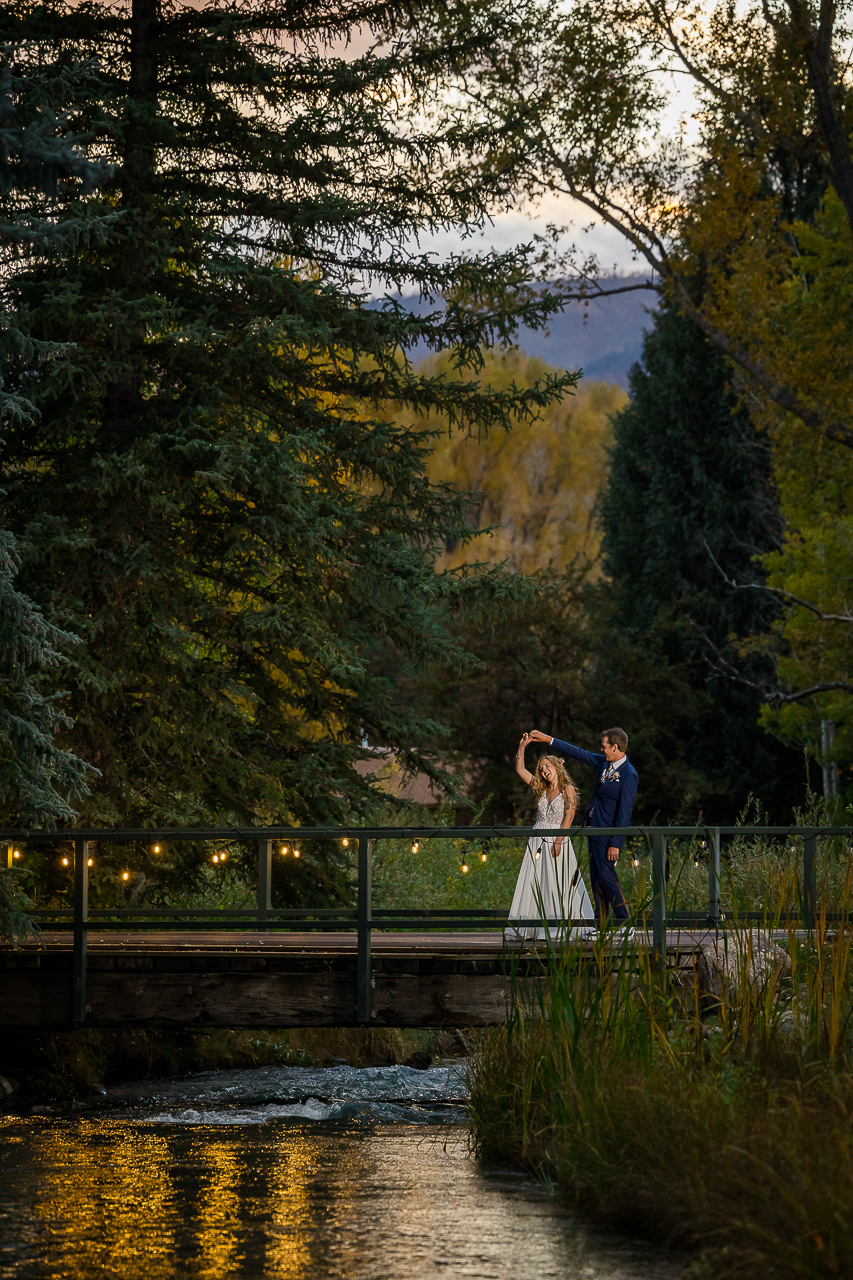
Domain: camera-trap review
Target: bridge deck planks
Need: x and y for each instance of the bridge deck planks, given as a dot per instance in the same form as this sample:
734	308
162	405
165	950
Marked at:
339	943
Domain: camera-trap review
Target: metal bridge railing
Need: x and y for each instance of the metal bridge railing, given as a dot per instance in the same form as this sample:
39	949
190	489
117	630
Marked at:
363	919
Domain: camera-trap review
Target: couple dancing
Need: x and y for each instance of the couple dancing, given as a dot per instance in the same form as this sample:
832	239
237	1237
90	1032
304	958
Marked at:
550	886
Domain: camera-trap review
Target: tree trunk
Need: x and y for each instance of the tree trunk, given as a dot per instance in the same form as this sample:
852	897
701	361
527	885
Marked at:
817	48
124	408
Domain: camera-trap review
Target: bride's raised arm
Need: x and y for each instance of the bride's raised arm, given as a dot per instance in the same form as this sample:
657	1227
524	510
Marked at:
524	774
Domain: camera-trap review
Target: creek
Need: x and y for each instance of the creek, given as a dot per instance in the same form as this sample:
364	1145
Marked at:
286	1172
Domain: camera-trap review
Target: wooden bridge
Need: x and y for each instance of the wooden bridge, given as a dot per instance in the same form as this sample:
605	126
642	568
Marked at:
331	967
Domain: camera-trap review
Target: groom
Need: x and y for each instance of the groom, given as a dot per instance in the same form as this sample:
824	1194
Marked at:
610	805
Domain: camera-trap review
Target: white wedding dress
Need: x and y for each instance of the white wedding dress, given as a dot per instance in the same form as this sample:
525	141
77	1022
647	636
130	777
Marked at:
550	888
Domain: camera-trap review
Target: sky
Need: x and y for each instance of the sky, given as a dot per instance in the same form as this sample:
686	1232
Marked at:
516	226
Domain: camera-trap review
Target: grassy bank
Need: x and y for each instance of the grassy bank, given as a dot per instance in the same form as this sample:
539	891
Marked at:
725	1125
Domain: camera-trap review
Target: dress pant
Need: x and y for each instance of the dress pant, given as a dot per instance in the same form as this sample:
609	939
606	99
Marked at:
606	888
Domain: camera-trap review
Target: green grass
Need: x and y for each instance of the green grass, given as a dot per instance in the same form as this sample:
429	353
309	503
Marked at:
757	873
431	875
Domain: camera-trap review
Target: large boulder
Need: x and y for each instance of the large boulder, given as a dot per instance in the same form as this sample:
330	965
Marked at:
727	959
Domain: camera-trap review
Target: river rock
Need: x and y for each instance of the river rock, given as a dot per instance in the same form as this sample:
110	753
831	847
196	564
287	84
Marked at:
7	1086
727	958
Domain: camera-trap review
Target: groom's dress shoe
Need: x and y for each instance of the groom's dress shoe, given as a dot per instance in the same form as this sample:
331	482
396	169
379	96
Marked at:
624	934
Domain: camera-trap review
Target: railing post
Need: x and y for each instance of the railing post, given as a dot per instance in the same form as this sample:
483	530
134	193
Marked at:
264	882
714	877
81	916
659	896
365	871
809	880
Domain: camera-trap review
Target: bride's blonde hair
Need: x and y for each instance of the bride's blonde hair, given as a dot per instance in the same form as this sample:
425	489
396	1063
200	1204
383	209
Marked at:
539	786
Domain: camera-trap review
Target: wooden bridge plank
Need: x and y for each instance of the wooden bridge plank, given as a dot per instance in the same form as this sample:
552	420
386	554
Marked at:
318	943
237	998
325	943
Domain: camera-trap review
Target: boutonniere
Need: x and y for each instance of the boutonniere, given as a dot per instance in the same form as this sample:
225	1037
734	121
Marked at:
614	777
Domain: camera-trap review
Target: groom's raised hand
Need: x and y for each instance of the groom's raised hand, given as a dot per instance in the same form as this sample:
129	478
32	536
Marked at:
536	735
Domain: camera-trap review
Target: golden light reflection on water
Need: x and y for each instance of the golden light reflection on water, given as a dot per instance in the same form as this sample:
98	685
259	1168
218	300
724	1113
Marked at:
106	1199
292	1211
118	1194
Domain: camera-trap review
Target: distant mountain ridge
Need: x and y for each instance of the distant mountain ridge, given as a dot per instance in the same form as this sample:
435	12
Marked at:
603	339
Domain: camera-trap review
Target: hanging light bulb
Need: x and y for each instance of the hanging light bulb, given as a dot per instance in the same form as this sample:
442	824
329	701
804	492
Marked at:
156	848
283	850
16	854
216	857
125	875
222	857
89	863
296	853
696	862
636	861
416	844
65	862
346	844
484	857
464	868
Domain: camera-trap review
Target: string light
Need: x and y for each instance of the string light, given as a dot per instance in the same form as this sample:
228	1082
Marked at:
464	868
89	863
65	862
296	853
416	844
222	857
156	848
484	857
346	844
636	860
125	875
283	850
16	854
216	857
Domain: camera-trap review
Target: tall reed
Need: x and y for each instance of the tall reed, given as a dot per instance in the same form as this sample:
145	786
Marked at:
720	1117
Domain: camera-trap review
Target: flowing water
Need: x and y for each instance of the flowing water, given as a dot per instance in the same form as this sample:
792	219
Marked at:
285	1172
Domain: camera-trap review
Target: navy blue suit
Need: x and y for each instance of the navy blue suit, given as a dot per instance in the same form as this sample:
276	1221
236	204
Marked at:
610	805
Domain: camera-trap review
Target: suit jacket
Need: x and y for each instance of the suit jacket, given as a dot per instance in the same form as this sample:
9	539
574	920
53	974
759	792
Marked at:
612	801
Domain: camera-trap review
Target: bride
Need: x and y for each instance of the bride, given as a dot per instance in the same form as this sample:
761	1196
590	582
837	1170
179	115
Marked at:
549	885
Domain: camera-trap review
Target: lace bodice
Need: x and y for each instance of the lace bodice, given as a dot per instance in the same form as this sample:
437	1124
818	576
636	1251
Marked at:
550	815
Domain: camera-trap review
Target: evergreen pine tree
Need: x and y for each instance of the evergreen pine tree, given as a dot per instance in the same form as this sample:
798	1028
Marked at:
38	780
210	496
690	492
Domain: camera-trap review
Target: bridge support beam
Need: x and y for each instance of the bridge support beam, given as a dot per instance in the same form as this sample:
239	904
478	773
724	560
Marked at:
659	897
264	883
809	880
81	917
714	878
363	987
